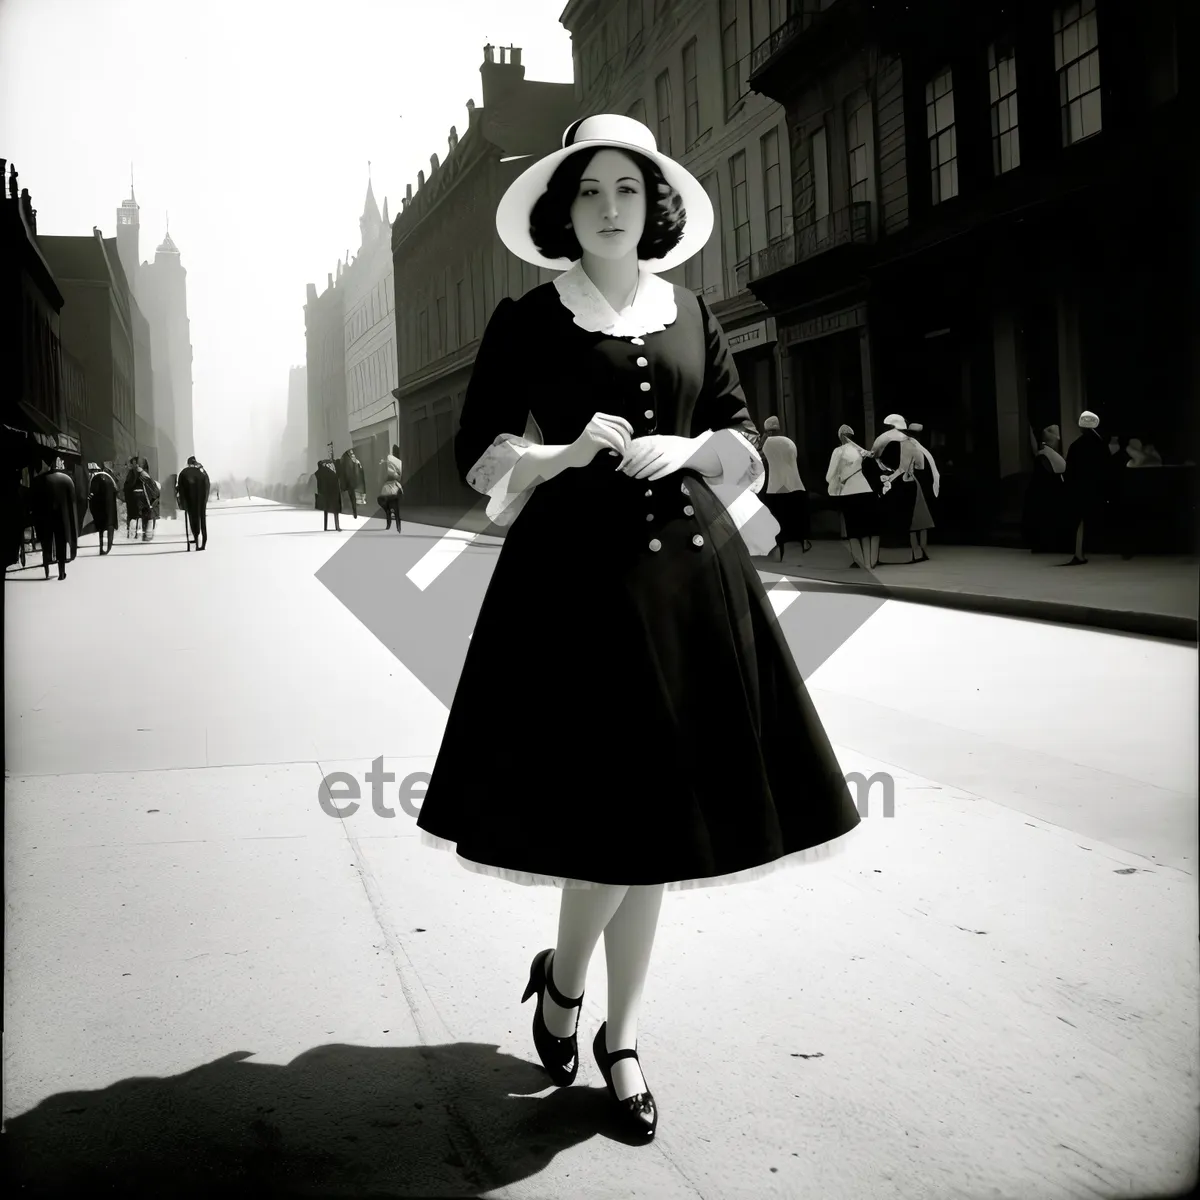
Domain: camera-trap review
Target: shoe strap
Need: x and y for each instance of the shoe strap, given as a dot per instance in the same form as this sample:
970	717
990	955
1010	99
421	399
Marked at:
617	1055
557	996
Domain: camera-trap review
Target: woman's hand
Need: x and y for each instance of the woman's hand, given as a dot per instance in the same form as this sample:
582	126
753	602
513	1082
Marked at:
657	454
602	432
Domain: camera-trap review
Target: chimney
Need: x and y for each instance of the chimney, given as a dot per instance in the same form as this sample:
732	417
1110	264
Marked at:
501	73
453	138
408	192
420	180
433	165
330	278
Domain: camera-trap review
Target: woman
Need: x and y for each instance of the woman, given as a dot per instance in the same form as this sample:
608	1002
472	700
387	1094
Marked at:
907	510
784	493
857	502
392	490
1044	501
102	501
673	742
329	492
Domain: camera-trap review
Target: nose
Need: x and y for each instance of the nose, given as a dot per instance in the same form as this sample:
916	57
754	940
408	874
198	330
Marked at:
610	206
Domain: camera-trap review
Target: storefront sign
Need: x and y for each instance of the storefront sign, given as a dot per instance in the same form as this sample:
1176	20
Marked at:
824	325
746	339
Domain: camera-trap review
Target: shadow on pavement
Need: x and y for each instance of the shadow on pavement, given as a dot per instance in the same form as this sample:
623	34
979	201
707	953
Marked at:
450	1120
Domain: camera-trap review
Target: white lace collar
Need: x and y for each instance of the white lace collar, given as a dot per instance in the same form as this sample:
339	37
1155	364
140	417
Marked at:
652	310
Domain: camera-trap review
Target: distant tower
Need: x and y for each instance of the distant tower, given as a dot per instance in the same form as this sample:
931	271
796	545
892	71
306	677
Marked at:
370	223
128	226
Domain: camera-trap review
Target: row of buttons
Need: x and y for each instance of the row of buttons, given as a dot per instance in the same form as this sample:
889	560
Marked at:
688	511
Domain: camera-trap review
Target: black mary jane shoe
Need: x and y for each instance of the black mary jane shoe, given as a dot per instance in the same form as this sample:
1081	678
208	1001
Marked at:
560	1056
639	1113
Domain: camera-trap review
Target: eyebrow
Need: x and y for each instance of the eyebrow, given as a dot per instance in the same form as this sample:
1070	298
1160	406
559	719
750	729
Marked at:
623	179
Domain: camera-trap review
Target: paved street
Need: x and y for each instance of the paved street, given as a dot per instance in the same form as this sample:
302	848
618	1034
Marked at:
211	985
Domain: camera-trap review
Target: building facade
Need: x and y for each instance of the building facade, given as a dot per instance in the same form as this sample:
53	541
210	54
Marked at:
985	266
682	68
370	335
451	269
162	288
294	450
97	331
325	362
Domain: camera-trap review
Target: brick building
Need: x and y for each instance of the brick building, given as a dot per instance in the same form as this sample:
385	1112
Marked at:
985	268
97	330
451	269
682	68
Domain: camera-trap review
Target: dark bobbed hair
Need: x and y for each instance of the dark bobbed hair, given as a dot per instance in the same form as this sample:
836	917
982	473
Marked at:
550	220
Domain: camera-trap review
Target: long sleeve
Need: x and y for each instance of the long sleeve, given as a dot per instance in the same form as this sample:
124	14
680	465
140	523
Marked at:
495	428
723	418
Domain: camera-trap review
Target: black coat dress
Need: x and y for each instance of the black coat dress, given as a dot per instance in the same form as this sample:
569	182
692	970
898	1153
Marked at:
628	711
1089	477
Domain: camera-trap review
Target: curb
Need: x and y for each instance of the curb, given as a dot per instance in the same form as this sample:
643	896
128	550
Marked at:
1159	625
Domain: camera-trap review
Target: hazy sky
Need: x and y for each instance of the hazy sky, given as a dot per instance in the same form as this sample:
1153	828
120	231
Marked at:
251	122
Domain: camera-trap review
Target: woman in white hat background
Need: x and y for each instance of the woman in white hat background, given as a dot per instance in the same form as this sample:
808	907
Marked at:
858	504
905	508
629	718
1089	482
1044	516
784	493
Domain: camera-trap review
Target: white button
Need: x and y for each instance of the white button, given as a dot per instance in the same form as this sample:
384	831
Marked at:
637	341
697	540
655	544
683	487
643	362
614	454
645	386
688	511
649	414
649	491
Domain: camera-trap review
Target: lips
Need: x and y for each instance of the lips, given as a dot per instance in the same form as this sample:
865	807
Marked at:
607	232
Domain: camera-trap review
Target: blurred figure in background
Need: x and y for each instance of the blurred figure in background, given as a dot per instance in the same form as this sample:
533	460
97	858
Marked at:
329	492
392	489
102	503
858	504
1044	520
52	502
783	493
193	499
129	492
1089	482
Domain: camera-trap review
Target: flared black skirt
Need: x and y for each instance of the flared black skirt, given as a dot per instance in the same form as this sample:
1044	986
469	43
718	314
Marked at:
629	711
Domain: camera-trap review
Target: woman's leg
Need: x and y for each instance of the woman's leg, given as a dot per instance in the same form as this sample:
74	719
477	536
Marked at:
857	555
628	941
874	551
582	916
1079	542
914	544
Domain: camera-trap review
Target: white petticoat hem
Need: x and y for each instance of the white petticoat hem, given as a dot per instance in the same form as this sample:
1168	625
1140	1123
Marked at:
821	853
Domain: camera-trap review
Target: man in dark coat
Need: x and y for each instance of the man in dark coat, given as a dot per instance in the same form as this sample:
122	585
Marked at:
329	492
193	487
129	488
102	501
52	500
1089	478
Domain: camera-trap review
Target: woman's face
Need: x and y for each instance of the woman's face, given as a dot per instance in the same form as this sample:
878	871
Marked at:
609	210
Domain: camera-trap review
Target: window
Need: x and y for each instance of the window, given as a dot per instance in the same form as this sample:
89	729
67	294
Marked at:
637	110
772	188
858	126
1002	88
662	93
460	314
732	68
691	97
741	207
943	144
702	272
1077	60
441	324
633	28
819	151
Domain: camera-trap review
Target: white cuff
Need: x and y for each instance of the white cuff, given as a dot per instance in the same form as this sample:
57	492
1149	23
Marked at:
491	473
742	477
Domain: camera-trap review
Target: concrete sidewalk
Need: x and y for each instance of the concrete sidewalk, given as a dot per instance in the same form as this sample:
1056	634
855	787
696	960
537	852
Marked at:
1150	596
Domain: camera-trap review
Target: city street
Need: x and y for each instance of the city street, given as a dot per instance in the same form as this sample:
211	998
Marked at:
212	985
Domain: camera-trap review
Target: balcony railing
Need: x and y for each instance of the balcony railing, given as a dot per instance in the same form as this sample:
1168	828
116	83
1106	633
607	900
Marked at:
785	35
848	225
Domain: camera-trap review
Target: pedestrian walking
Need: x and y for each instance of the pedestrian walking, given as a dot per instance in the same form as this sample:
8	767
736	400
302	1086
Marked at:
905	509
102	503
129	489
193	499
351	478
329	492
52	501
1089	478
706	763
857	502
392	488
784	493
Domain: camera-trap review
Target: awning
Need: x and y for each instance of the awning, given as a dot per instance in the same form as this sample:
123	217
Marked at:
41	429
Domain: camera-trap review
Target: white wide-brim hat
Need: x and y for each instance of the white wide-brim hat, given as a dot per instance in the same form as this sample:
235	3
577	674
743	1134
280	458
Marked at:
895	420
1088	420
606	131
